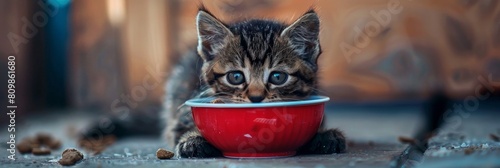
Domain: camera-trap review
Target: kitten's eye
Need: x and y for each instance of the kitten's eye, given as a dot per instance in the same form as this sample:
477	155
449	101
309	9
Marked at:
235	77
278	78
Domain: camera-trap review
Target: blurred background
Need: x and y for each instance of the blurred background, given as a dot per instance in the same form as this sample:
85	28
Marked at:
104	54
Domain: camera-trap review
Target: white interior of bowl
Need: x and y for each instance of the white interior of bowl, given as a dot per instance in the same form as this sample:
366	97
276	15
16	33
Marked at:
205	102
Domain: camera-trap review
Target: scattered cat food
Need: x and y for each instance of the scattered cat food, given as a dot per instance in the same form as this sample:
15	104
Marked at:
70	157
24	146
54	144
96	146
43	138
217	101
40	151
164	154
40	144
407	140
469	150
495	138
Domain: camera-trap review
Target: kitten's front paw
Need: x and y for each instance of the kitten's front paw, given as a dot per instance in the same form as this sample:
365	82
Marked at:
326	142
196	147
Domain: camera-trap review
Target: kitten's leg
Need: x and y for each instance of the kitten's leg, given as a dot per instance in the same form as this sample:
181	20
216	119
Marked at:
325	142
178	125
180	86
193	145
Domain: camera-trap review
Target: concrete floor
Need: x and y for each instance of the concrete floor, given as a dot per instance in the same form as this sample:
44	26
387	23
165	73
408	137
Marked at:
466	143
373	134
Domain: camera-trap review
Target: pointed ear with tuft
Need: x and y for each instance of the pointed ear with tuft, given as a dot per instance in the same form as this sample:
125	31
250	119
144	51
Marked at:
303	36
212	35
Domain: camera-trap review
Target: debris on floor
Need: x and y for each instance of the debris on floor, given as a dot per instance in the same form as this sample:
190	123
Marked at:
96	146
40	151
70	157
164	154
40	144
407	140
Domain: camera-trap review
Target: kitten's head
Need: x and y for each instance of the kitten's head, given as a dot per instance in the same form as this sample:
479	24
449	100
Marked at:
259	60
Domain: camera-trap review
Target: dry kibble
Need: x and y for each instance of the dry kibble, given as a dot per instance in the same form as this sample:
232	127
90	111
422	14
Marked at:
217	101
97	145
24	147
469	150
70	157
40	144
40	151
164	154
43	138
54	144
35	145
407	140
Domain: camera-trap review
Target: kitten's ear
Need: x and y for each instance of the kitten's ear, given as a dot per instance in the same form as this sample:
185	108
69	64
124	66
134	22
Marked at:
303	36
212	35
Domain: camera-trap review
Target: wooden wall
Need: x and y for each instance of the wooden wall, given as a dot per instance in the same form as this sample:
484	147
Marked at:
18	42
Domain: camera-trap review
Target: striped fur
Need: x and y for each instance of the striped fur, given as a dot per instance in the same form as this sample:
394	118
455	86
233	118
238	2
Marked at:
257	49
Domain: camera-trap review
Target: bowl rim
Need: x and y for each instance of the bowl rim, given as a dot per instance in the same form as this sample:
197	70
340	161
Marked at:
311	100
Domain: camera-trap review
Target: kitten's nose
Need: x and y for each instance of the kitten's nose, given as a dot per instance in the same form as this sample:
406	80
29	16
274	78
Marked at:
256	99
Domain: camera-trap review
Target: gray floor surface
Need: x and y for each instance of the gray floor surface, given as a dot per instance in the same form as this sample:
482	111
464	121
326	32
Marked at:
372	133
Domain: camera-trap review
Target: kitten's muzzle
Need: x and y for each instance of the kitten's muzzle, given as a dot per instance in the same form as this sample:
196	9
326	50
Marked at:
256	99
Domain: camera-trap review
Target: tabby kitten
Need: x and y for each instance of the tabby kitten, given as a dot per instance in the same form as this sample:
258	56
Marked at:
251	61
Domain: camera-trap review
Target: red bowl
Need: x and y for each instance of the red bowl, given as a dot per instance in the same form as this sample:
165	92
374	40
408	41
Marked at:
258	130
